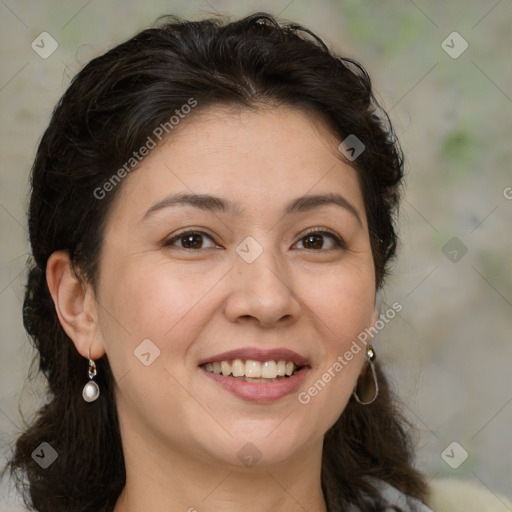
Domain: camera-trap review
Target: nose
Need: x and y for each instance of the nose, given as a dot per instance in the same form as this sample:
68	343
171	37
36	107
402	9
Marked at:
262	292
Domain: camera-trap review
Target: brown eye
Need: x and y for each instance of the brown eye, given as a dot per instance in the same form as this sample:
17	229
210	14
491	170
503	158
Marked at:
191	240
318	240
315	241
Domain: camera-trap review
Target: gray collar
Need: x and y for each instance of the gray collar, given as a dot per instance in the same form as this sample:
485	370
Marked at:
395	500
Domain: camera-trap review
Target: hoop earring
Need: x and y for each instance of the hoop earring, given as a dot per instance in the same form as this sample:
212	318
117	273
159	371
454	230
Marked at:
370	358
91	390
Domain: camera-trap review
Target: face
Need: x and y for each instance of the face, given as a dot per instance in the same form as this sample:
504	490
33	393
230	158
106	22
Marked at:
239	243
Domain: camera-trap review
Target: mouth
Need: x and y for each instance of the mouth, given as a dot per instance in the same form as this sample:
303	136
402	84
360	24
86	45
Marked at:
257	375
250	370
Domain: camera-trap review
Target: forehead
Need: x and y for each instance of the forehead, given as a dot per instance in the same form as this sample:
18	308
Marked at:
257	157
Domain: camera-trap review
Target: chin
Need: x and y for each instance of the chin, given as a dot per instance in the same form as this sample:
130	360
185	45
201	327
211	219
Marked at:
255	446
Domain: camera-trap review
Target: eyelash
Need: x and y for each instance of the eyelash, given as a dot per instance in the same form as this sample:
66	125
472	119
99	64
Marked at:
169	242
322	231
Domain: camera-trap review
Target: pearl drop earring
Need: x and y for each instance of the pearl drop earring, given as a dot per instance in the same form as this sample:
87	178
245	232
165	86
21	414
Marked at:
91	390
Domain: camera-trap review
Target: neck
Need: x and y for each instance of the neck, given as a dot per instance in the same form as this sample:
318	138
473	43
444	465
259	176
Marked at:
177	482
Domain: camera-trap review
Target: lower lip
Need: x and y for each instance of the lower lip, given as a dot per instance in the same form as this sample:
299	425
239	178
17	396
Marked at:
263	392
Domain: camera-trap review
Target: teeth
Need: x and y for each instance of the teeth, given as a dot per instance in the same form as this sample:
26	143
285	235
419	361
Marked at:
225	367
269	370
253	371
238	368
248	379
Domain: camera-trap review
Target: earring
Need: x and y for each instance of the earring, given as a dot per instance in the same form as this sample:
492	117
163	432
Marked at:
370	358
91	391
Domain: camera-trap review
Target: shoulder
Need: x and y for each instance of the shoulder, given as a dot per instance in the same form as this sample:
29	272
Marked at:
451	495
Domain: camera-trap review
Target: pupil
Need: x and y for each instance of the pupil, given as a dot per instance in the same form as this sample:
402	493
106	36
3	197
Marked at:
314	241
193	241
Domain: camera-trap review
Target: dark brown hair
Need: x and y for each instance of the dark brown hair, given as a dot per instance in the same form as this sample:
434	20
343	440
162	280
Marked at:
110	109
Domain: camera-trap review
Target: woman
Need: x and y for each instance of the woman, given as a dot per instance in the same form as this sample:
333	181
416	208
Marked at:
211	219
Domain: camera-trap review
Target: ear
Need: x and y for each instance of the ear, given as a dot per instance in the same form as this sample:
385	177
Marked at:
75	305
374	318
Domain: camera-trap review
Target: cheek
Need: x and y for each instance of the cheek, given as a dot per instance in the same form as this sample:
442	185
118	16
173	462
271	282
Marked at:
341	303
341	307
143	300
149	318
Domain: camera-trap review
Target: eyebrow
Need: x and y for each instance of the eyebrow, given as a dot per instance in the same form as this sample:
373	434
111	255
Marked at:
201	201
307	203
220	205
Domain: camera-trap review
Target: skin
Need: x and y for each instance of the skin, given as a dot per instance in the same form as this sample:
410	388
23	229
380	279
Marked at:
180	432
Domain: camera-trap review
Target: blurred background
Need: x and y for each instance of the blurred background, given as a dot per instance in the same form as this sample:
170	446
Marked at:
443	71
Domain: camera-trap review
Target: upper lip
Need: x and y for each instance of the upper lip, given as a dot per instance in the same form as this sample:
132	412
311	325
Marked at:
257	354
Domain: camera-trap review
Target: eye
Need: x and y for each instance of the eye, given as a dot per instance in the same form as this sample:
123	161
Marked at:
191	240
318	240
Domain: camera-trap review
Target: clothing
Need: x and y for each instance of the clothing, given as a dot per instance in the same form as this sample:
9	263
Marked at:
445	495
405	503
395	500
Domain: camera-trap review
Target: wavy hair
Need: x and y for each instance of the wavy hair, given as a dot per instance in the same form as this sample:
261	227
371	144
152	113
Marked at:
109	110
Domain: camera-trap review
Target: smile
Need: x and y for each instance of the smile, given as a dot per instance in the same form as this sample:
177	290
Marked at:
257	375
253	371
